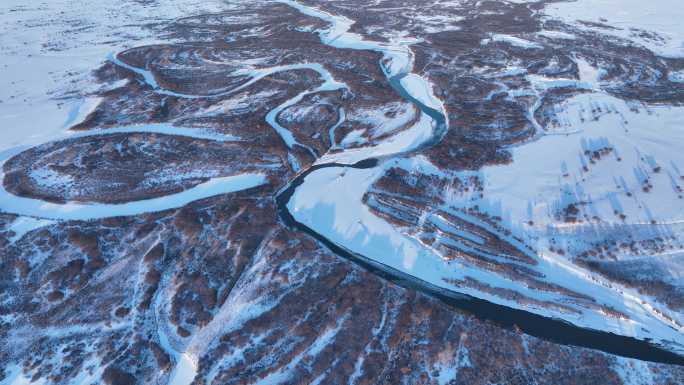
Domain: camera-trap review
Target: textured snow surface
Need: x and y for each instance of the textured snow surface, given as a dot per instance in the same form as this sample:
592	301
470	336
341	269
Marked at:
549	173
404	141
23	225
512	40
49	50
420	89
15	376
628	18
331	202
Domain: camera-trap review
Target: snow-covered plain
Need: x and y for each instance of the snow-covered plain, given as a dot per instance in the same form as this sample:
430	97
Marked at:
23	225
49	50
47	61
405	141
331	202
548	174
628	19
377	118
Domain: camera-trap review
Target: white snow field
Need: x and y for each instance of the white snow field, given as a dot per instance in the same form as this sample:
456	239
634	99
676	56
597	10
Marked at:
49	50
556	170
628	18
330	201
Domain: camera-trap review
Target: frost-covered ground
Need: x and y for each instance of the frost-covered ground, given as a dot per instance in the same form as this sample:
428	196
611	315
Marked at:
654	24
551	187
331	201
69	211
615	159
49	50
